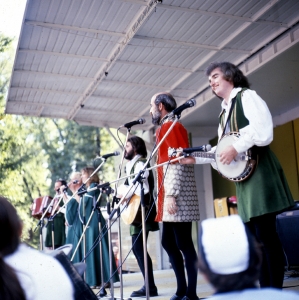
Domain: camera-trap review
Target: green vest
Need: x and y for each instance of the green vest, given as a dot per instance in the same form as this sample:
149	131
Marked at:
266	190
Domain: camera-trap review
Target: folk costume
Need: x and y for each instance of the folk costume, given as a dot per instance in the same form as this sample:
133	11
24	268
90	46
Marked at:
93	270
266	192
174	179
59	230
177	181
74	229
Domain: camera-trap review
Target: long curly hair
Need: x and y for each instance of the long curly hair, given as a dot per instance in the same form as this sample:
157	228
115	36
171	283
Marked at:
230	72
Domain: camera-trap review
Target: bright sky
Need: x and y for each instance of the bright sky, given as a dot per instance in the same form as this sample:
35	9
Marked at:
11	16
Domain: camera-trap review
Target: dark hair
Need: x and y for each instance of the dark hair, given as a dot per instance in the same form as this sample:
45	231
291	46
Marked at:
10	229
237	281
167	100
138	145
94	178
230	73
62	181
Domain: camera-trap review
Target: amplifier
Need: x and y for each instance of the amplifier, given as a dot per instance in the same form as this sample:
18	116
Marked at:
287	226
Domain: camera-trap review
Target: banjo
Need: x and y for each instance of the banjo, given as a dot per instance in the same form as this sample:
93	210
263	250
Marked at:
239	169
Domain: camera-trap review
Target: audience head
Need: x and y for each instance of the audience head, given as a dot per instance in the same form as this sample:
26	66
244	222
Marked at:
228	255
10	228
10	231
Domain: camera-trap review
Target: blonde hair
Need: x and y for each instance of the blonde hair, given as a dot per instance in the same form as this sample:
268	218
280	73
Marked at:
75	176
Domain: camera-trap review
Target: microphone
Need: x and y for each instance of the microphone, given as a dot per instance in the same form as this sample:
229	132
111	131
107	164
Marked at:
110	154
130	124
178	110
203	148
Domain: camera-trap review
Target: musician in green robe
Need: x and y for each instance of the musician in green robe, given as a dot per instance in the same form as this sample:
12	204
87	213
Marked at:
266	192
86	212
135	153
74	225
59	221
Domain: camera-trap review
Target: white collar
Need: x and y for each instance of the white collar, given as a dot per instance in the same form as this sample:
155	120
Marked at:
232	95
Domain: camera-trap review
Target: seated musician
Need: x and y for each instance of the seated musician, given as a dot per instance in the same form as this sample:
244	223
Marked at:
135	153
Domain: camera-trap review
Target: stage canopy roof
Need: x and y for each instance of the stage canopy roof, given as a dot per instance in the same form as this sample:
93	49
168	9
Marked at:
99	62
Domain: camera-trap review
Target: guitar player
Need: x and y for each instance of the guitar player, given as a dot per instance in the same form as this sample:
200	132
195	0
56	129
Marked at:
266	192
135	153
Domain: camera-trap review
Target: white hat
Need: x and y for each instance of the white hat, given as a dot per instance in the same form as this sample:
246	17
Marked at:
225	245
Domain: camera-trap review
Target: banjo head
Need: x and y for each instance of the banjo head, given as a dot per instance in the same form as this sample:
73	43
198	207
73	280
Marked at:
239	169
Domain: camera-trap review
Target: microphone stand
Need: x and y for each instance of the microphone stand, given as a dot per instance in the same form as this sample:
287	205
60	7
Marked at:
140	180
116	200
41	224
51	218
85	226
102	292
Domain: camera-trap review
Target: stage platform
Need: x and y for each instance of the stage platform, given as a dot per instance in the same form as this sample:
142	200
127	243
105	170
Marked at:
166	283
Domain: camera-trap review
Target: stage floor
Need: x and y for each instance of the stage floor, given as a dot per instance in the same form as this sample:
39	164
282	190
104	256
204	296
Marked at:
166	283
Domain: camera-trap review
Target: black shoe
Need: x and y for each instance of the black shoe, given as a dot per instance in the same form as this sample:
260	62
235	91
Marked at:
187	298
142	293
176	297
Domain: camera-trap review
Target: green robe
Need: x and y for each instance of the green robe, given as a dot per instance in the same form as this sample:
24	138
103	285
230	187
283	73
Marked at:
93	270
266	190
59	231
74	229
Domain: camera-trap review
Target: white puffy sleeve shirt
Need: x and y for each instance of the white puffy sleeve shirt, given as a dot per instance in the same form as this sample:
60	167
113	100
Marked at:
258	132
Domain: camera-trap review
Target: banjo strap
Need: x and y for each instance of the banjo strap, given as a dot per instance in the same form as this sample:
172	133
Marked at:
229	115
237	97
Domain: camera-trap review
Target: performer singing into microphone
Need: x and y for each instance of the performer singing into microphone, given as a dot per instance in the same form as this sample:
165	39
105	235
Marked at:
135	153
72	217
87	203
177	204
59	221
266	192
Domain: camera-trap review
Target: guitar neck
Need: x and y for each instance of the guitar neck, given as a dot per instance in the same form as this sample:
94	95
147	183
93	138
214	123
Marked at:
203	155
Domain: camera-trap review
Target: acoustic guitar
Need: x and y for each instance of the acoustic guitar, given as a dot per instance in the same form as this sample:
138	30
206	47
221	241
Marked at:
131	211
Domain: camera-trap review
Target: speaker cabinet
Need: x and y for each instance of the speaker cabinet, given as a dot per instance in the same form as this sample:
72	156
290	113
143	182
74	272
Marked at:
287	225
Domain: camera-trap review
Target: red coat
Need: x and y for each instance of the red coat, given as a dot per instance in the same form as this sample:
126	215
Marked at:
178	137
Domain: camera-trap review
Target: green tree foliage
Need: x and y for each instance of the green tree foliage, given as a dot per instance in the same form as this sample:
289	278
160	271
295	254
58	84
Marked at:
34	152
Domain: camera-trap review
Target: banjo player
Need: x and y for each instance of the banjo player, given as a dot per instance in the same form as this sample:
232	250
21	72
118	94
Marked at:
265	193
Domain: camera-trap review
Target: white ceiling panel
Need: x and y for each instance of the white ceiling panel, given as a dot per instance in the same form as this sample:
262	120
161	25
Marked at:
100	62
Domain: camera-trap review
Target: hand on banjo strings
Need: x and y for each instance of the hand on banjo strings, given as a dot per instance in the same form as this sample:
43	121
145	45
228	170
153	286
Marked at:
185	160
228	155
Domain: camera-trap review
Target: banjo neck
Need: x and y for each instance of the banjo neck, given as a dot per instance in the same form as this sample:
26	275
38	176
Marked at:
203	154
